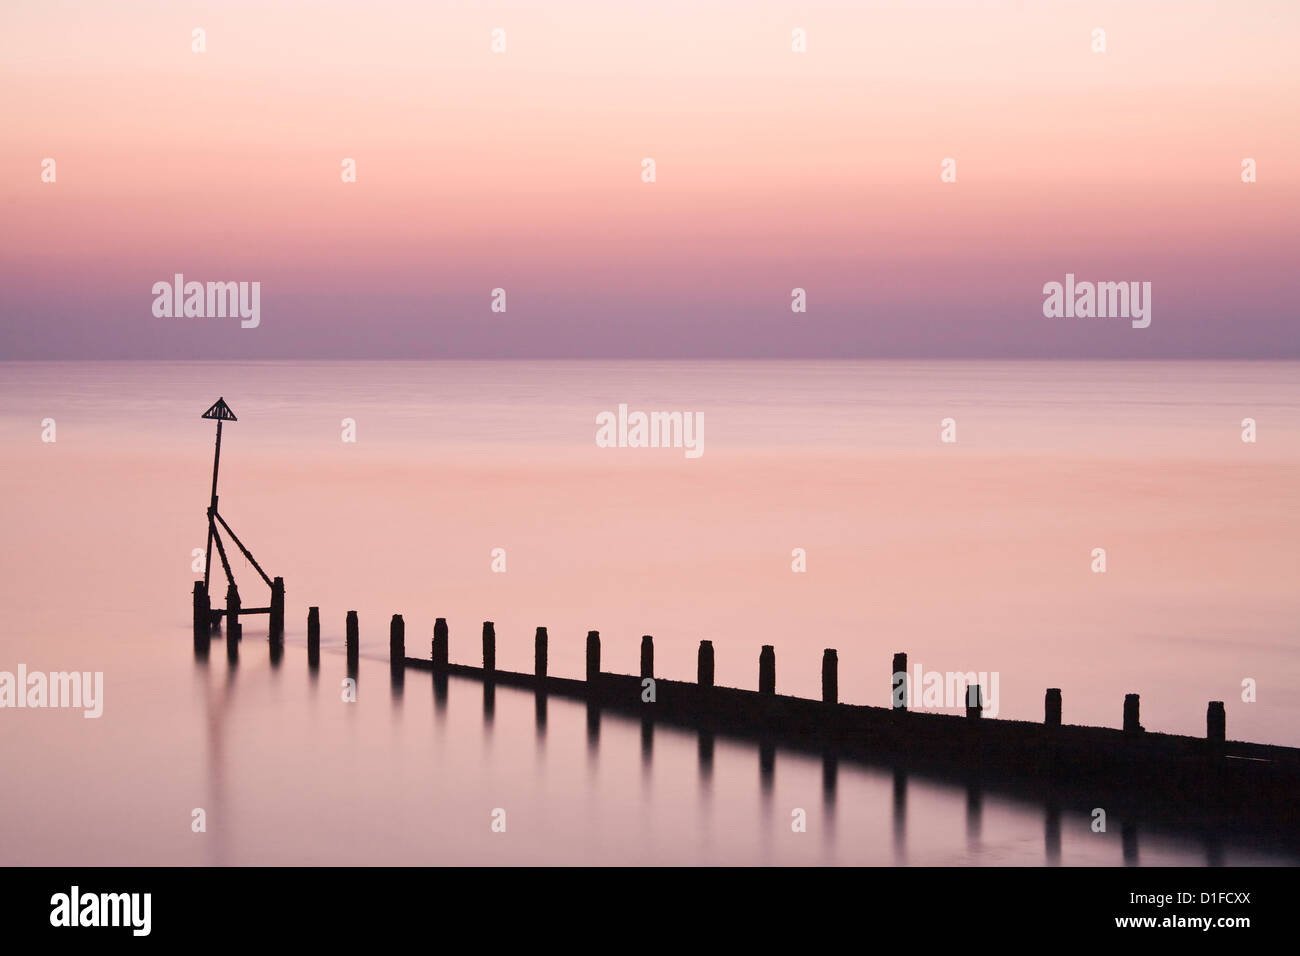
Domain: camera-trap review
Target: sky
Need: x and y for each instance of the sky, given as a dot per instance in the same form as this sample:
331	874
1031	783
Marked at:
522	170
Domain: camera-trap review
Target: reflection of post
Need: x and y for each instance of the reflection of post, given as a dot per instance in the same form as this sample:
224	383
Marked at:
647	742
706	755
766	764
1052	835
830	776
900	815
1129	838
974	811
540	710
593	727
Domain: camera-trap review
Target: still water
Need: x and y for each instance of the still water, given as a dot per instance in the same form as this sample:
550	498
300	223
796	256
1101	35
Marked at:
971	556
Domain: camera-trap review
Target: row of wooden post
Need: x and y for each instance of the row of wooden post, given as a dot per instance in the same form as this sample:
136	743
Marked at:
1216	720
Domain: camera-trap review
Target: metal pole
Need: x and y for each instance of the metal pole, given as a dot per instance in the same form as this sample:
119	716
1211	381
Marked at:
212	507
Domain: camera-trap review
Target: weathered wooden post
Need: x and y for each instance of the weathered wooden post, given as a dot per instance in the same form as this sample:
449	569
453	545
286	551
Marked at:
767	670
1131	724
647	656
397	641
1216	725
234	630
704	666
1052	707
489	648
202	615
593	656
439	655
232	623
830	676
539	654
313	636
898	683
277	608
353	639
974	702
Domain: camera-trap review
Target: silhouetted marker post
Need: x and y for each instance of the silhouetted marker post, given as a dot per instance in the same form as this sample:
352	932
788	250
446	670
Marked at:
830	676
277	608
352	639
1052	707
767	670
974	702
1131	723
202	616
593	656
898	683
647	656
704	666
440	643
489	648
397	641
234	630
1216	724
539	653
313	635
220	412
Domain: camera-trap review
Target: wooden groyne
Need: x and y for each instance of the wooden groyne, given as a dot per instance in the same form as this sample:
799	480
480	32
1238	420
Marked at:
1208	780
1208	783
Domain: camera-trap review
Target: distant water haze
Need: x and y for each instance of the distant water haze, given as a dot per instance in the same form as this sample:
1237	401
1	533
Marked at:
970	556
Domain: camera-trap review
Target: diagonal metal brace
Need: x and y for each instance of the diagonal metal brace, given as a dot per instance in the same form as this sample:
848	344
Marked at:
221	548
248	554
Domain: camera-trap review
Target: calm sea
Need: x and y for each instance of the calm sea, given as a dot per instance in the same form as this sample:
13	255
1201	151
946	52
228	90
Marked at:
973	555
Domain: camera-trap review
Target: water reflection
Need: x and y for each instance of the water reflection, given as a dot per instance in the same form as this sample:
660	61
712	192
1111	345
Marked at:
1052	833
900	816
974	814
1063	830
1129	839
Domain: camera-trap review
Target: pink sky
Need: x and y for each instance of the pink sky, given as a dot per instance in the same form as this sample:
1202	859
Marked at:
522	170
